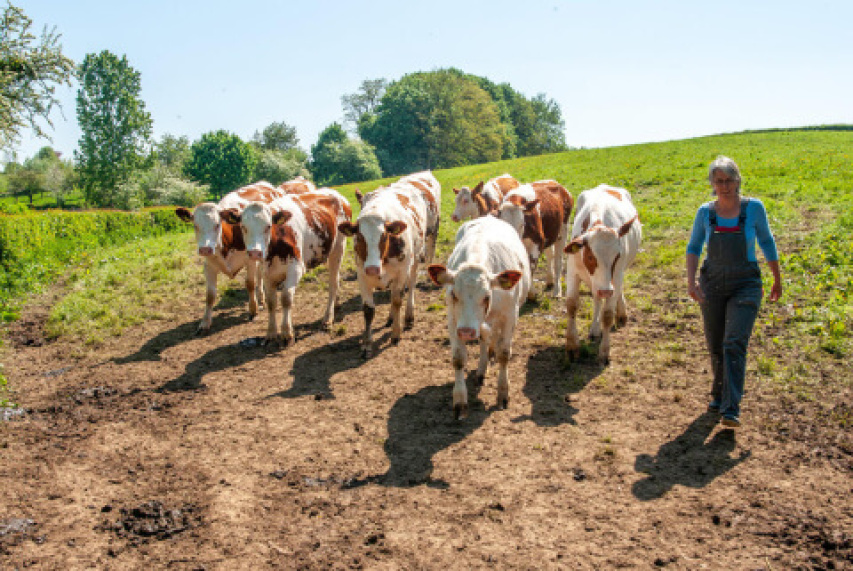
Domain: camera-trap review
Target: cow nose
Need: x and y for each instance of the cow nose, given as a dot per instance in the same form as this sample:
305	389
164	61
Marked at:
605	293
466	333
255	254
371	270
205	251
454	218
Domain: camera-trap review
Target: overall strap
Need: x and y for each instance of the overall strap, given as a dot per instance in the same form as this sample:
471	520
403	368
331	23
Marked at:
741	220
712	216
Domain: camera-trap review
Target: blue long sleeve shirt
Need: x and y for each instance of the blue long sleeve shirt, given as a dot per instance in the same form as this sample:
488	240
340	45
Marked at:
757	229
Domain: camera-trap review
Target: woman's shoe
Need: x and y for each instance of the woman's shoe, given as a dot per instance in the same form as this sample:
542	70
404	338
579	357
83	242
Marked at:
730	422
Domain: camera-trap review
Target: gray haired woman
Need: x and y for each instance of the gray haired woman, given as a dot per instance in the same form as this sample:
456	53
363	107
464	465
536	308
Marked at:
729	288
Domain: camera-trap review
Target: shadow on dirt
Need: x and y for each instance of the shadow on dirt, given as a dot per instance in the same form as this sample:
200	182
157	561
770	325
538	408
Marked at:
309	379
420	426
152	348
218	359
688	460
550	383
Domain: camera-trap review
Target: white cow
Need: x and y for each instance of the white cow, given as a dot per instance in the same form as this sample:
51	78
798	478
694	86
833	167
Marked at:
483	199
291	235
605	239
487	279
221	244
394	231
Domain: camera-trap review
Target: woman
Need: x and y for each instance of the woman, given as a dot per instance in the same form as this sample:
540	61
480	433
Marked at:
729	287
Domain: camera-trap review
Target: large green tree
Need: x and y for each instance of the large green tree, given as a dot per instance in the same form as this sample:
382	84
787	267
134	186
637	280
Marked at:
222	161
338	159
116	127
364	102
276	137
30	70
433	120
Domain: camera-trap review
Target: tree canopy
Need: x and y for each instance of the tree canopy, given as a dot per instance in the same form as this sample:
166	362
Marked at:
116	127
337	159
276	137
221	160
30	70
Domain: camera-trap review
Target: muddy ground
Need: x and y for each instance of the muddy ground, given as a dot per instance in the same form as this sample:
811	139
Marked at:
165	450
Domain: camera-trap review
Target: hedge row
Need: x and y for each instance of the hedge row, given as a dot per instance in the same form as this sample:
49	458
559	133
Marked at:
36	247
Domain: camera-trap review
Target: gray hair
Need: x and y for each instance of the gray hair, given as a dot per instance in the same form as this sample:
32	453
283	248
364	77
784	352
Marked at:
728	166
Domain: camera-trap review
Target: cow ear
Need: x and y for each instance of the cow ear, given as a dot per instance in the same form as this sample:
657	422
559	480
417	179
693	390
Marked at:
348	228
395	228
184	214
627	226
455	190
477	189
439	275
506	279
281	217
231	215
359	196
575	245
529	206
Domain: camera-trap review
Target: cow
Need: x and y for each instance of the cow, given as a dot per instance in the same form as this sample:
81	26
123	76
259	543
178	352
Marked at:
297	185
289	236
483	199
606	236
540	213
487	278
221	245
397	226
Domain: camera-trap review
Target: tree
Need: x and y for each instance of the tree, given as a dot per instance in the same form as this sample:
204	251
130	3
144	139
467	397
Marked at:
30	70
337	159
116	127
222	161
276	167
276	137
434	120
172	152
363	102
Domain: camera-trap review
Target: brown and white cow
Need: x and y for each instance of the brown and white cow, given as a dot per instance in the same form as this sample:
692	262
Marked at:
606	237
483	199
540	213
487	279
297	185
221	245
289	236
396	226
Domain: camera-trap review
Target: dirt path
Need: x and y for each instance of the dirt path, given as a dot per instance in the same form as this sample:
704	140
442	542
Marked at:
164	450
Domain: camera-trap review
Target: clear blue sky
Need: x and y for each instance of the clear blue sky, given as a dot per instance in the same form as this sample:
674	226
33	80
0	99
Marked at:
622	71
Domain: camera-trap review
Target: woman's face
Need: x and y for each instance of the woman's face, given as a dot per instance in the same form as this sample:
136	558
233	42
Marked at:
724	185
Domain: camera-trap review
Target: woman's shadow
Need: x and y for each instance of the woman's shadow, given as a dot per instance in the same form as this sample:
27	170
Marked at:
688	460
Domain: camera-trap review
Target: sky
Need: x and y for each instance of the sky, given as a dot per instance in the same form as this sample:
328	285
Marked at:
622	72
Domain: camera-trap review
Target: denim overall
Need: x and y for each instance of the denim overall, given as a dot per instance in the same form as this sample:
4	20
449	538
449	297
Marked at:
732	288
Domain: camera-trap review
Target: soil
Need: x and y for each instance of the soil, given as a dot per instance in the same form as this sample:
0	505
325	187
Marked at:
167	450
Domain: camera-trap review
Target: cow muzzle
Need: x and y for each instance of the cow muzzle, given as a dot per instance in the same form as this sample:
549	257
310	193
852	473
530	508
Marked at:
205	251
605	293
454	218
256	255
372	271
466	333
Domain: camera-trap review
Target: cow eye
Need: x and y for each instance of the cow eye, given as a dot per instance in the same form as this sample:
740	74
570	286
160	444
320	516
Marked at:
216	227
268	227
453	296
486	301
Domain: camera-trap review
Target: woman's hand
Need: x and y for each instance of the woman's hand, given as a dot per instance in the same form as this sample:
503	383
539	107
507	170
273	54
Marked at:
775	291
695	291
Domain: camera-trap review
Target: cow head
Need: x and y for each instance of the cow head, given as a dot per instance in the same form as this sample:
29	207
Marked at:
375	241
601	248
523	215
469	294
469	203
256	224
207	220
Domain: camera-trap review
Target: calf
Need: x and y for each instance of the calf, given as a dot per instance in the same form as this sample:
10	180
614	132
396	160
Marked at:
605	239
289	236
483	199
487	279
297	185
221	245
540	213
396	225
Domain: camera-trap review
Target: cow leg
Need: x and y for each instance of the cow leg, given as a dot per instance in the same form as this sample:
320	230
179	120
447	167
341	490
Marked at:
504	351
396	306
368	307
460	391
606	323
557	259
486	340
621	306
595	326
573	349
294	274
272	324
410	297
251	287
334	269
210	274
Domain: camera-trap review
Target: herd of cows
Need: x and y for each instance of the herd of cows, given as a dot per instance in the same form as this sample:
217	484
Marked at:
279	233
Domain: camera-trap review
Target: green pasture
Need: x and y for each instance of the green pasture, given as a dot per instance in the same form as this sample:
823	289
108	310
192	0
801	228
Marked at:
805	179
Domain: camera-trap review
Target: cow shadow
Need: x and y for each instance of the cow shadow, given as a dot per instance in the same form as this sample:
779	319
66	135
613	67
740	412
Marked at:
313	370
550	383
688	459
217	359
421	425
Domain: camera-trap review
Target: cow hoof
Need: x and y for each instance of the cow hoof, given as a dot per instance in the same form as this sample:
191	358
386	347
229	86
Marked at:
460	411
395	341
622	321
503	403
366	353
390	322
573	355
252	316
408	324
593	337
287	341
603	359
479	379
